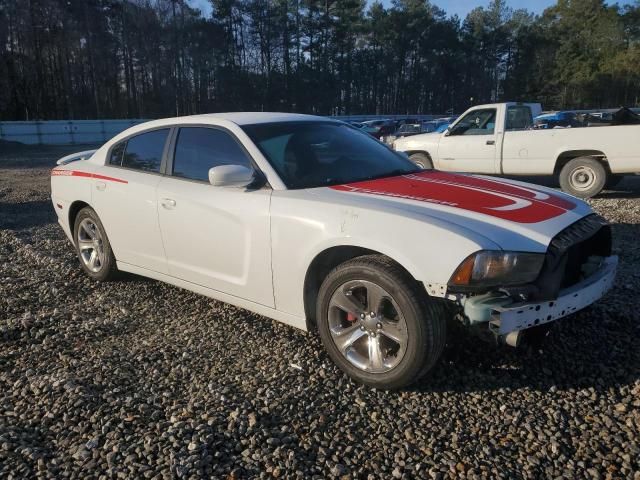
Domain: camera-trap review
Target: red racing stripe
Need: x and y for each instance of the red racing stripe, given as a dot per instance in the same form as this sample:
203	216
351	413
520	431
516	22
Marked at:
522	204
78	173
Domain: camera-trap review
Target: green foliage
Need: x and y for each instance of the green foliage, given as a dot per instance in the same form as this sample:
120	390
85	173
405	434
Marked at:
153	58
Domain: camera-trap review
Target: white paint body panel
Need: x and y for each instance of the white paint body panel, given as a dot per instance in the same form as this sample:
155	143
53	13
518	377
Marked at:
129	213
472	155
525	152
253	248
218	237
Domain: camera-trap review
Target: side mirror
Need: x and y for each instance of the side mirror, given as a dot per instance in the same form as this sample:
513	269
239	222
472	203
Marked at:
231	176
447	132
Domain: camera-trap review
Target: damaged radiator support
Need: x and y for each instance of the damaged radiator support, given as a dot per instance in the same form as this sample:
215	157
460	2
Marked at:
578	269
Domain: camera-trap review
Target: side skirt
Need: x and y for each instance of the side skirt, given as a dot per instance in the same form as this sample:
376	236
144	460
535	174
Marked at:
283	317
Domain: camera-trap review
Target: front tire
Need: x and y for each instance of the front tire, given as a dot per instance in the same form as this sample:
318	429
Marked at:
93	247
422	160
378	324
583	177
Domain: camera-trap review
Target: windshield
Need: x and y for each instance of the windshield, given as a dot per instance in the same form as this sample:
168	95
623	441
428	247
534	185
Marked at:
317	154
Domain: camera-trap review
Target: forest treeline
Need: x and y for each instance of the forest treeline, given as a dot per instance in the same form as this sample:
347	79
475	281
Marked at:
80	59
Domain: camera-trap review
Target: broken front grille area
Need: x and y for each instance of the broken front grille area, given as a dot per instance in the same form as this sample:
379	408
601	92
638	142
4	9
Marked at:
570	254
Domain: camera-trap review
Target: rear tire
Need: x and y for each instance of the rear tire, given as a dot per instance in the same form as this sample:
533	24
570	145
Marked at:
422	160
93	247
583	177
378	324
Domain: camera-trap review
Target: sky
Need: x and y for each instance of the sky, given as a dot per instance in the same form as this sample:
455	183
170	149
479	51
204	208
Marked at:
462	7
452	7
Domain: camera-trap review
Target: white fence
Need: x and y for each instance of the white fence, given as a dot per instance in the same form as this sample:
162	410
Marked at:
64	132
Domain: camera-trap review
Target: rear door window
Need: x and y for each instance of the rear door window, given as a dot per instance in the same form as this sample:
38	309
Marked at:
144	151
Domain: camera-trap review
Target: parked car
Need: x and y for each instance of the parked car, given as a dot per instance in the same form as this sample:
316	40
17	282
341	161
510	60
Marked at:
315	224
405	130
403	121
379	128
556	120
409	129
500	139
442	128
572	119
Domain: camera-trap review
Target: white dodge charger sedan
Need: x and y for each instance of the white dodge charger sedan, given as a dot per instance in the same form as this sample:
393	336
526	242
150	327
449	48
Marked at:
315	224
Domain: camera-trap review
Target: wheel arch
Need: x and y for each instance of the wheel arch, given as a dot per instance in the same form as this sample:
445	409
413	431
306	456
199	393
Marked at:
74	209
568	155
319	268
411	152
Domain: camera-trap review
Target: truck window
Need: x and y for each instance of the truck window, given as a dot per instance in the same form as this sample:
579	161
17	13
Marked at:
519	117
477	122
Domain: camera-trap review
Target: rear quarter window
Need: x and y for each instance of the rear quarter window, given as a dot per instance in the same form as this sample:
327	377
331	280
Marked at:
116	154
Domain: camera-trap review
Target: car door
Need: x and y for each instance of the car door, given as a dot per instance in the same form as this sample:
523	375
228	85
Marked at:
216	237
124	196
470	146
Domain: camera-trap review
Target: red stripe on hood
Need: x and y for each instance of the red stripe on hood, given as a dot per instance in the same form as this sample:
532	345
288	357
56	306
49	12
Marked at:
481	195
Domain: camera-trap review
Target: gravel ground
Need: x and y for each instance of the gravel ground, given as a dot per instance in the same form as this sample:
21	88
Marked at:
137	379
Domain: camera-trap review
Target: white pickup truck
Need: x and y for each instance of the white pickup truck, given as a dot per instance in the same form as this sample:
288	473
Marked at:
499	139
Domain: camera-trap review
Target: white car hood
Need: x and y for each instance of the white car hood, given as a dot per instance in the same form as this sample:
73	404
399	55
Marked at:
513	215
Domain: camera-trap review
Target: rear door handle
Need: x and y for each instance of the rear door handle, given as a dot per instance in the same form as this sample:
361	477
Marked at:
168	203
491	142
101	186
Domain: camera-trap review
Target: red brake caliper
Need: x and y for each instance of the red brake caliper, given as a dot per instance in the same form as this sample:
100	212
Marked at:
351	317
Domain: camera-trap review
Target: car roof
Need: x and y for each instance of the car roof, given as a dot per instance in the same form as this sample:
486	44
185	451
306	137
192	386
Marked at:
220	119
249	118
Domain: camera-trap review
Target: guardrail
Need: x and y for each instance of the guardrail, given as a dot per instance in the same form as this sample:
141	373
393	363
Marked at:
64	132
70	132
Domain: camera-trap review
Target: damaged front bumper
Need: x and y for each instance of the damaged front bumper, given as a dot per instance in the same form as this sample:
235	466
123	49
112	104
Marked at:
506	315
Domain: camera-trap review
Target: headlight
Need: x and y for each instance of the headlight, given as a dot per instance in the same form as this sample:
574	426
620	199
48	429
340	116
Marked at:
497	268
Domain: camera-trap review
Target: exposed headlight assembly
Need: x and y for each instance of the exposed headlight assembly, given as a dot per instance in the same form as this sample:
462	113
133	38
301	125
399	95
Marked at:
489	268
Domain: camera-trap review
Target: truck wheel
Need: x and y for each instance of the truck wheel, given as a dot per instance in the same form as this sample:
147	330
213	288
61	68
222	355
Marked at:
422	160
378	324
583	177
93	247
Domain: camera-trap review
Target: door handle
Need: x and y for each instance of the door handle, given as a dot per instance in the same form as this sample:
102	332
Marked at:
168	203
491	142
101	186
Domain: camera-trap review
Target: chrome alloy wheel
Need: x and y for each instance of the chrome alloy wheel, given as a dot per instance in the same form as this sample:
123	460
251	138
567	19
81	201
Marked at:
582	178
367	326
90	245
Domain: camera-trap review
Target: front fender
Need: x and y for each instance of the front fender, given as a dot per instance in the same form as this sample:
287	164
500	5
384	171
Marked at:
425	142
302	228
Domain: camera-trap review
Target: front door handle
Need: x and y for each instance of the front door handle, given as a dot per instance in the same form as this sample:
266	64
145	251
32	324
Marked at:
101	186
168	203
491	142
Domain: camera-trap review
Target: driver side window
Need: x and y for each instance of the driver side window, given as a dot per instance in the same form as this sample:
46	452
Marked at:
477	122
199	148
